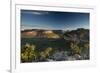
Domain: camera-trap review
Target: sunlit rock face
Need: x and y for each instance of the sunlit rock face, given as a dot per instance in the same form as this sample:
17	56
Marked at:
29	34
48	32
33	33
39	33
51	34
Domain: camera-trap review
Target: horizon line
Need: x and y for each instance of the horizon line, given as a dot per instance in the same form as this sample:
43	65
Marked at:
30	28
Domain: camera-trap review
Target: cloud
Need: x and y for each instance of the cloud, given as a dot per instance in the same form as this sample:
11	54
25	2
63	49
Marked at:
35	12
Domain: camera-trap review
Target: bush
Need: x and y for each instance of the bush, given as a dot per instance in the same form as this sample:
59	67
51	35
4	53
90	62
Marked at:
28	53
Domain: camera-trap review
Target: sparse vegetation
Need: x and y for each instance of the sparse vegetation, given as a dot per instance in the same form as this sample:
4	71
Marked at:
70	45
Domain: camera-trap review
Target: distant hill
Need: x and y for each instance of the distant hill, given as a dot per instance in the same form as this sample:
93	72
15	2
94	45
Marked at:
79	34
39	33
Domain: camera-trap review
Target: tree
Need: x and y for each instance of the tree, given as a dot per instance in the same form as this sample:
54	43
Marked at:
28	53
46	53
85	51
75	48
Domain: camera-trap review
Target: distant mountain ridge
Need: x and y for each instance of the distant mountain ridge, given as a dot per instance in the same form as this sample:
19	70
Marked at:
80	33
40	33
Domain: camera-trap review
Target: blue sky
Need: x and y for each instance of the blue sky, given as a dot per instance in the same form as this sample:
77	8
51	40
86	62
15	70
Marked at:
54	20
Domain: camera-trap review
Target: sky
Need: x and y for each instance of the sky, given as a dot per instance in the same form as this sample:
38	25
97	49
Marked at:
54	20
